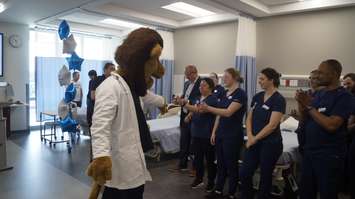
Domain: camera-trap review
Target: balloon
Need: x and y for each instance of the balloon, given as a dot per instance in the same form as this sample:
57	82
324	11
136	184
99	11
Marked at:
64	76
68	124
63	30
70	93
74	62
69	45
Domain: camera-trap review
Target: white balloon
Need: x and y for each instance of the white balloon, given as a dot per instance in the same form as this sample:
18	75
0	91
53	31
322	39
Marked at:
64	76
69	45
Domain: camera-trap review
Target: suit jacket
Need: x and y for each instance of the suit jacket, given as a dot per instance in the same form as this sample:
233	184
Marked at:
194	95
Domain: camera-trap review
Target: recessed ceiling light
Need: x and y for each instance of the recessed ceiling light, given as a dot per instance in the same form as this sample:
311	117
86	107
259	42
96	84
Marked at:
2	7
188	9
121	23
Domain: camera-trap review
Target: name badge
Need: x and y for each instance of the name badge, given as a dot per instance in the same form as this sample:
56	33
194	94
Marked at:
321	110
265	107
230	97
215	91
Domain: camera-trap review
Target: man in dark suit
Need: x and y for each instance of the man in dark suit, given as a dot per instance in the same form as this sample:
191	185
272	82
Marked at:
191	93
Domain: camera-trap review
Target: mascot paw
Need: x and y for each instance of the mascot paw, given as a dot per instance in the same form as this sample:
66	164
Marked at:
100	169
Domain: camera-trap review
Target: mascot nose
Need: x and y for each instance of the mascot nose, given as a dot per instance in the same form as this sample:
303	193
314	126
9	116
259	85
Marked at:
159	72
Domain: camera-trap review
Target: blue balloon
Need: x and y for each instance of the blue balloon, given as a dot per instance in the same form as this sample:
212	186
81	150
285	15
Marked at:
74	62
63	30
68	124
70	93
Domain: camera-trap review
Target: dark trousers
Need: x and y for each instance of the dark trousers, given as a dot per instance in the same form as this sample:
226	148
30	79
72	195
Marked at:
112	193
351	168
264	155
185	142
203	149
321	173
228	151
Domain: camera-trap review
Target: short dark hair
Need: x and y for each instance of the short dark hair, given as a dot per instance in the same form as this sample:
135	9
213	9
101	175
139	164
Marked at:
92	73
209	81
107	65
334	65
350	75
273	75
75	73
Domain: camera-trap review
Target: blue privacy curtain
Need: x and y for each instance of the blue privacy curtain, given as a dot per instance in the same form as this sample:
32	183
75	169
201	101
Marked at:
48	91
245	55
164	86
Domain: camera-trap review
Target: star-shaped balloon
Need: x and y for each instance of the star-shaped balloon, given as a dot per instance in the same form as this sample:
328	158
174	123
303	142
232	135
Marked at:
74	62
68	124
69	45
70	93
63	30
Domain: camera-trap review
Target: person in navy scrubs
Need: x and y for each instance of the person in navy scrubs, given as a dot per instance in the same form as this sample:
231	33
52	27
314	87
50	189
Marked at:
349	84
201	130
314	86
264	145
227	133
218	90
351	160
325	132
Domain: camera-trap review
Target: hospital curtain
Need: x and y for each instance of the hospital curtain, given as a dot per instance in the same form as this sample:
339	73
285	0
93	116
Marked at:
164	86
246	54
48	91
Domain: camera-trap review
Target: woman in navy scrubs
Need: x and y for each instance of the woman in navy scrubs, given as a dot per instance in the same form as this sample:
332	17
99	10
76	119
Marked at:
201	130
227	133
264	145
219	90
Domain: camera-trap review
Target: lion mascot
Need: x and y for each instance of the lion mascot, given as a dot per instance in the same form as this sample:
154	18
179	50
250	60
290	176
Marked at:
120	134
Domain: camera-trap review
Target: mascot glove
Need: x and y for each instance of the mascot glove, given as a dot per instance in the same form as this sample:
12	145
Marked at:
100	169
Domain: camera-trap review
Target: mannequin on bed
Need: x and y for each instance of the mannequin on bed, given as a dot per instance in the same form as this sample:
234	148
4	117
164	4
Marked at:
119	130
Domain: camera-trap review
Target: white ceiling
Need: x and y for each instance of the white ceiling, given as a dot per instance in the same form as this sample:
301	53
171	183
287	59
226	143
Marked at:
86	14
277	2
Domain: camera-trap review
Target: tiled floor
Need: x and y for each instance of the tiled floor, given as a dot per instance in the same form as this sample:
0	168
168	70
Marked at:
41	172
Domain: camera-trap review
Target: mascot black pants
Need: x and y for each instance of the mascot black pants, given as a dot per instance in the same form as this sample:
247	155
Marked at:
112	193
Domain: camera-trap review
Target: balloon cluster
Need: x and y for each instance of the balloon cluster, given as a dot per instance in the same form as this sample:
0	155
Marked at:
74	61
69	45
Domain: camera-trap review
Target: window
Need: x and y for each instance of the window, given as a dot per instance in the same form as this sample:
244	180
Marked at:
48	44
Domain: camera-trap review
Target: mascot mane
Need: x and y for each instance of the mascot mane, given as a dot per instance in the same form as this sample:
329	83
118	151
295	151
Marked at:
132	56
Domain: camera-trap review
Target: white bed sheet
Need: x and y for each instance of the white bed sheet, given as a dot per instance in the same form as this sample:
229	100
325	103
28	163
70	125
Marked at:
167	131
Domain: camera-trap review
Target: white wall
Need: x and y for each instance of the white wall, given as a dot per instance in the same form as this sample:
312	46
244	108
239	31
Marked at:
211	47
296	44
16	61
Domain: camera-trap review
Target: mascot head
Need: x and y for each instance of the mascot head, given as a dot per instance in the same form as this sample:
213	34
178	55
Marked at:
138	57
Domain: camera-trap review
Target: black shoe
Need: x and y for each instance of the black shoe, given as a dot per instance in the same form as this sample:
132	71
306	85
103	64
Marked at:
197	184
230	197
214	195
209	187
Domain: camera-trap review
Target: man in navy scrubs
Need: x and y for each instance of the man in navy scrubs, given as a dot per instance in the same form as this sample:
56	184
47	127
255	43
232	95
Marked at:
325	130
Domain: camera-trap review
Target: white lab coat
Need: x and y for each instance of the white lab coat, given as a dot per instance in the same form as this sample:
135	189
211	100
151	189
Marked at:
115	133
